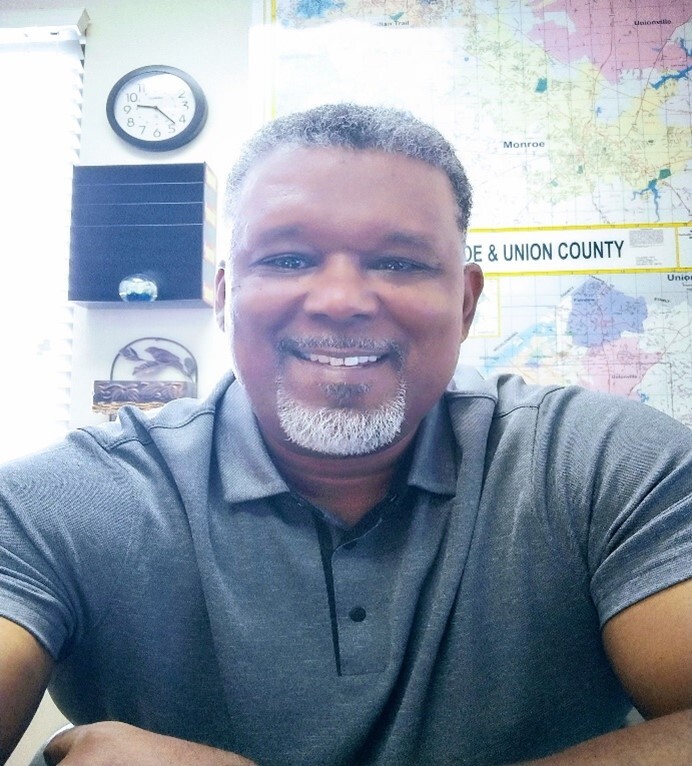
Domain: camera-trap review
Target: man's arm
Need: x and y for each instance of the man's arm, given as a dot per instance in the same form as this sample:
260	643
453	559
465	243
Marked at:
666	741
25	668
117	744
650	647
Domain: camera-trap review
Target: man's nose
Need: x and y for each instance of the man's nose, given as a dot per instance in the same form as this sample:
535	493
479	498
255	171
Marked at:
341	289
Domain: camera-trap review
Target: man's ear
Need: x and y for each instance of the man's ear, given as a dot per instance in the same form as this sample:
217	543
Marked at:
220	296
473	287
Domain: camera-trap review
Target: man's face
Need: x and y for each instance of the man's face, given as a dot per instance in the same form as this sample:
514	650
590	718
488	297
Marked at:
349	296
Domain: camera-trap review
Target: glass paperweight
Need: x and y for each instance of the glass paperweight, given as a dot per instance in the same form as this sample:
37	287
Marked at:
138	287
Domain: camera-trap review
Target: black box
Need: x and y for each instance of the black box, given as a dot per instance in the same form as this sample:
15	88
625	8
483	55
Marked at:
156	220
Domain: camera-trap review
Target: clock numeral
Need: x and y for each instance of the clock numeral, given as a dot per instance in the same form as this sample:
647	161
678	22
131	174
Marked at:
171	127
132	97
127	109
182	118
157	133
130	122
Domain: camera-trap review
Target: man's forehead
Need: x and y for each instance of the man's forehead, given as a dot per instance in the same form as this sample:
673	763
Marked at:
294	167
288	184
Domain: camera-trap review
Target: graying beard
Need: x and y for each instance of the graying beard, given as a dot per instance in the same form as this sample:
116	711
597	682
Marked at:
343	393
341	431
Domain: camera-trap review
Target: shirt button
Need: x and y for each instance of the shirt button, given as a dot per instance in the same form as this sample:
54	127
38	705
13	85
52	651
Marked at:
357	614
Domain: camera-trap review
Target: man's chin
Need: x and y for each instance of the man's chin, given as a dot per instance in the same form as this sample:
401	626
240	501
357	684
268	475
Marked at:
348	395
339	429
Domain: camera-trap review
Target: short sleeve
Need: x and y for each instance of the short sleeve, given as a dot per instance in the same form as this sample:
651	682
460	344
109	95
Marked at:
66	517
618	474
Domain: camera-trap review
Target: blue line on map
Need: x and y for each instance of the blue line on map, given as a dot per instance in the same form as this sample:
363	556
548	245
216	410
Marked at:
681	75
542	85
651	187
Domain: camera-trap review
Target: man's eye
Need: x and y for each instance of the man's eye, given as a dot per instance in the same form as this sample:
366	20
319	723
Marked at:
286	262
397	264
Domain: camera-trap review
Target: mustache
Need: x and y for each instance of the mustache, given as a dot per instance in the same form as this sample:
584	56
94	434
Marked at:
360	346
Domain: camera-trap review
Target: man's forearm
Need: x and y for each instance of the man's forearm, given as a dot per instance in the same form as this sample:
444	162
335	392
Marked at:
111	743
666	740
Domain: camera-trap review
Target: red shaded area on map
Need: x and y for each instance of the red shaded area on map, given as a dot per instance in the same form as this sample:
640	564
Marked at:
617	367
606	34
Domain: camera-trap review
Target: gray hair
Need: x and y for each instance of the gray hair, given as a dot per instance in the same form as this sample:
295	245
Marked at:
352	126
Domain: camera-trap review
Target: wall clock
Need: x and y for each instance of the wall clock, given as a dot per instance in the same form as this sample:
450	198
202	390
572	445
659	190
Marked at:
156	108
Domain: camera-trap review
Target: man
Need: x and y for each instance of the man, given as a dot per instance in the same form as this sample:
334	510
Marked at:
340	557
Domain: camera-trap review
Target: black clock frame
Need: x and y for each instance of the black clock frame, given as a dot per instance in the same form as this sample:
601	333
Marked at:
185	136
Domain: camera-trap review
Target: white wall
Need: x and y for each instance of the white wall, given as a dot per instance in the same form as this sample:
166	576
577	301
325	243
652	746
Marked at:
208	39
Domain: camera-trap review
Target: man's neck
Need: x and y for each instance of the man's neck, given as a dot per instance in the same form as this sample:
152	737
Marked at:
347	487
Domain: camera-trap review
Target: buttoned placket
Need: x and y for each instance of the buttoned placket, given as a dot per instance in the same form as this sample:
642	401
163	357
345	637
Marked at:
358	583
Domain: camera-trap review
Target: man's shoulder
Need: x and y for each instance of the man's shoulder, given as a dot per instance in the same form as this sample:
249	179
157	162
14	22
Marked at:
506	392
117	451
183	416
559	407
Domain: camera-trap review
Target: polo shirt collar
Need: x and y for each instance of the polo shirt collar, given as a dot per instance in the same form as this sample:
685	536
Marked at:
248	473
245	467
434	466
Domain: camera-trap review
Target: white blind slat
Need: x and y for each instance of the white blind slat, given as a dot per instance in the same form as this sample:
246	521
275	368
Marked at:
42	81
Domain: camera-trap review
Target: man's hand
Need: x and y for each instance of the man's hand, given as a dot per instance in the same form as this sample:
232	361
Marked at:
110	743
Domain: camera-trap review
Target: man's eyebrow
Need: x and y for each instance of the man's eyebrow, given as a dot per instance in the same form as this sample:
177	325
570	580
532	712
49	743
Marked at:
407	239
404	239
267	236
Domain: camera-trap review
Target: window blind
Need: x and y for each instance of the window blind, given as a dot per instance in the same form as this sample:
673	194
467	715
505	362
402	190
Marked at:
41	75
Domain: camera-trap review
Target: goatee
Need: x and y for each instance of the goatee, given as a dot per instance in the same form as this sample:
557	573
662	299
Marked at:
341	431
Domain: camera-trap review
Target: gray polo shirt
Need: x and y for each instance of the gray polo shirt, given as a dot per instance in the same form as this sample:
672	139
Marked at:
183	588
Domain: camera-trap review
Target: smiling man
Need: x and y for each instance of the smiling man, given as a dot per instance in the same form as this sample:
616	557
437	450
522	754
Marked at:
347	270
352	554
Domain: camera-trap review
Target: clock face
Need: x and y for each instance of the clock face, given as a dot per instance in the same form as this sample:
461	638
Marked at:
156	108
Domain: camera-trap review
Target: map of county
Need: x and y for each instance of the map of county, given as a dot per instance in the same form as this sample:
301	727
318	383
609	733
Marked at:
573	120
566	112
626	335
617	38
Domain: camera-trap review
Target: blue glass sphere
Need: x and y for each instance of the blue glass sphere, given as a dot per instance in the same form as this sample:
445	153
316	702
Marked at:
138	287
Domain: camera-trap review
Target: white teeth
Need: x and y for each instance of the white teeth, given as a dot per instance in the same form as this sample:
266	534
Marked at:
339	361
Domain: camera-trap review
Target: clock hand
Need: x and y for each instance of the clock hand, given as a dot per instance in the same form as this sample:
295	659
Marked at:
158	109
170	119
